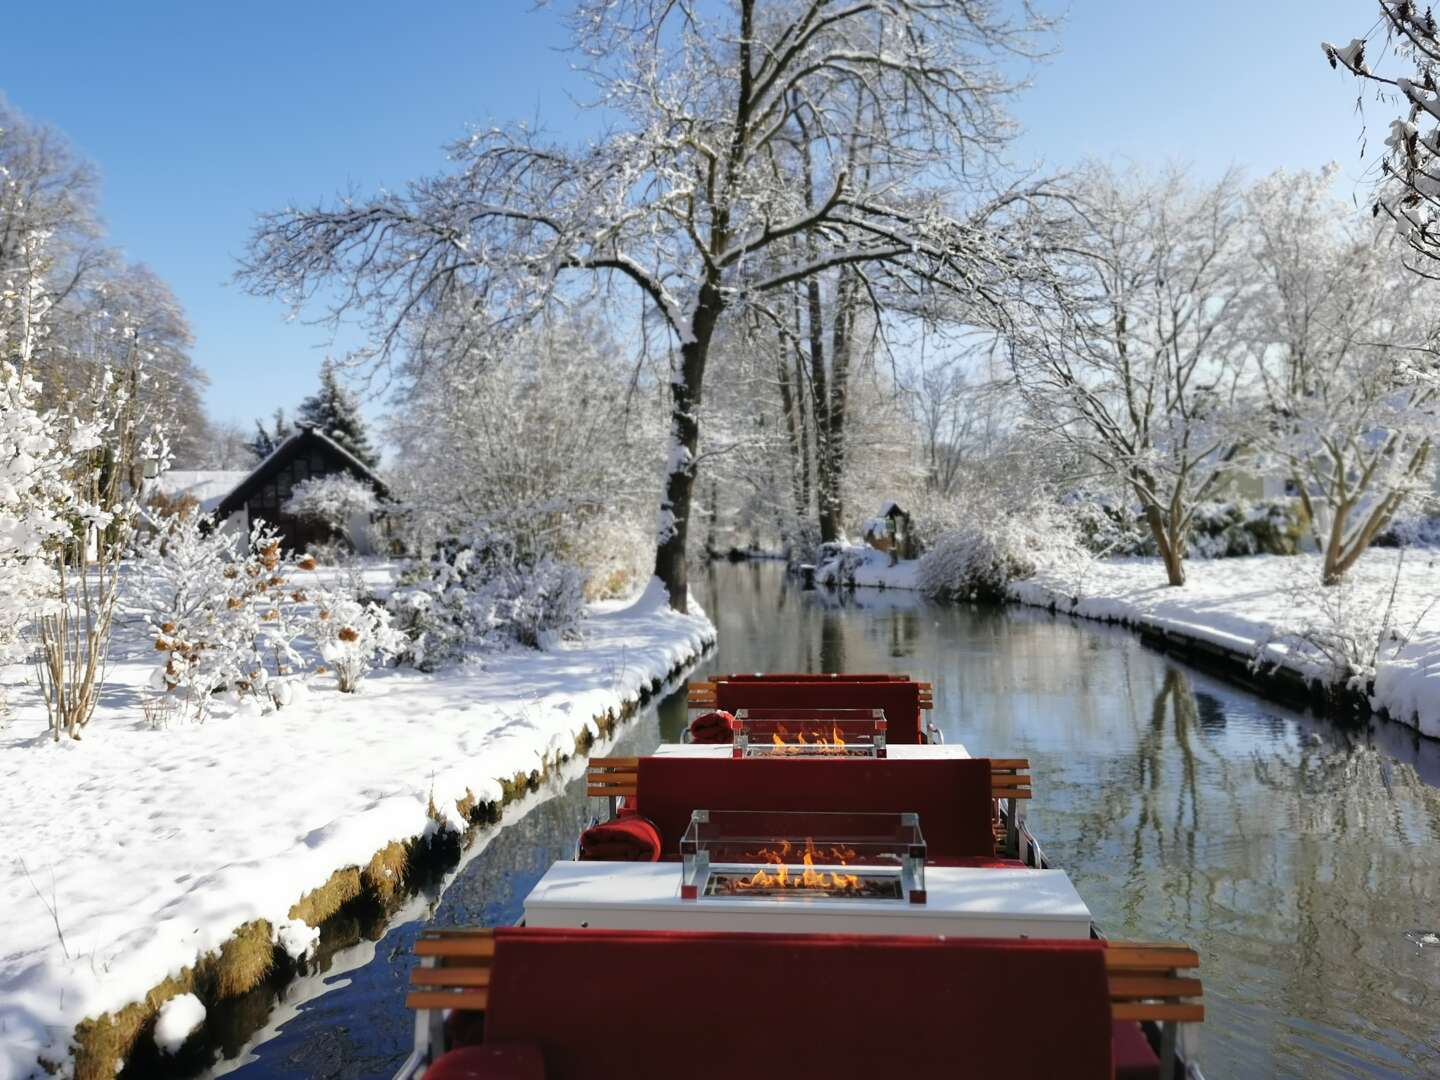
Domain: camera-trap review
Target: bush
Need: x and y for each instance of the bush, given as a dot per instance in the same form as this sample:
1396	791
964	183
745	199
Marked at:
353	636
474	598
980	558
1218	529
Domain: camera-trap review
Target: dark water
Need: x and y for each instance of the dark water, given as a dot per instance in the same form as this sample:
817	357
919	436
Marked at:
1293	855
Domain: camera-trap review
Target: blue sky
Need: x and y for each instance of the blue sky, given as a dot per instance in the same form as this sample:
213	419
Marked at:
199	115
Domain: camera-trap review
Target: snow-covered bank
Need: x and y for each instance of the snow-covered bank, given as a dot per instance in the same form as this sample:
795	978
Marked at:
1240	605
864	566
136	852
1243	604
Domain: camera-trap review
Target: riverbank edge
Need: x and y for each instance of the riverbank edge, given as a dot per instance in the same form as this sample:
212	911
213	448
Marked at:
1275	680
251	955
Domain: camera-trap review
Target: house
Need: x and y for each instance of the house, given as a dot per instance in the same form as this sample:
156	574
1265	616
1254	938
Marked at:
890	530
202	489
263	492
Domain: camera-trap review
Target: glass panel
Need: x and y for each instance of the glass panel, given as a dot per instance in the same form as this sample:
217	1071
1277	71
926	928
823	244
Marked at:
815	732
802	856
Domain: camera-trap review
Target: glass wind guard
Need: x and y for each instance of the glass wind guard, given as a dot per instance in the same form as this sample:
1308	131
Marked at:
803	857
764	732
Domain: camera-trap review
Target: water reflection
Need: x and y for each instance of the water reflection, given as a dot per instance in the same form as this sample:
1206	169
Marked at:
1294	856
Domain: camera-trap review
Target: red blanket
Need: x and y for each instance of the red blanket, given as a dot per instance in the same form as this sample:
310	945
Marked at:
631	838
713	727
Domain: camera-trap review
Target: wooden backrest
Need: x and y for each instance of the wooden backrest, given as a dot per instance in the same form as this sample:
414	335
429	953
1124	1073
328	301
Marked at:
1146	984
455	970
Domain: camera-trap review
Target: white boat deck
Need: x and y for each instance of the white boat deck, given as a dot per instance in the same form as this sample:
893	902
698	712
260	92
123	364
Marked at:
962	902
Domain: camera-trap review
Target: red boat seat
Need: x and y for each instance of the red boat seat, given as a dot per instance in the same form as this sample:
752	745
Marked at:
490	1061
809	1005
952	796
899	700
1135	1059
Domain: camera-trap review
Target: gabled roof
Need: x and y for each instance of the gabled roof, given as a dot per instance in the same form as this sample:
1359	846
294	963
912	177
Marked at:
293	444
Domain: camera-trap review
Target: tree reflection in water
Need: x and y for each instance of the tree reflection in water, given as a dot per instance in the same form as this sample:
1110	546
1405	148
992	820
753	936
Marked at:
1295	857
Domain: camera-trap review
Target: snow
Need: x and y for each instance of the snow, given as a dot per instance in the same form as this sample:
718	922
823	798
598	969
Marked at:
860	564
206	487
151	847
178	1018
1242	604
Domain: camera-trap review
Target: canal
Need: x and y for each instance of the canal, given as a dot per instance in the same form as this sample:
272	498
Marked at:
1300	859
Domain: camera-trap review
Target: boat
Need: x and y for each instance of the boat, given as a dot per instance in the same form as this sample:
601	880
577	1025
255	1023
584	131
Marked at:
813	883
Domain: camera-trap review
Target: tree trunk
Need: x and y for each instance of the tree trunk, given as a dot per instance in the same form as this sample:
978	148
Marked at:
820	408
685	395
1169	547
840	346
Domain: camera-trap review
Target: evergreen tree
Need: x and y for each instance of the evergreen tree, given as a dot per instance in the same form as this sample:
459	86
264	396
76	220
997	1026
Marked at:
265	442
334	412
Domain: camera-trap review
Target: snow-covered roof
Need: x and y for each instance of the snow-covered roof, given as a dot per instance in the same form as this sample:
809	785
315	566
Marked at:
888	507
205	486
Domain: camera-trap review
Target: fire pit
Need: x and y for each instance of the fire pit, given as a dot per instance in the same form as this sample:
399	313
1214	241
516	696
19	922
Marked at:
776	855
810	733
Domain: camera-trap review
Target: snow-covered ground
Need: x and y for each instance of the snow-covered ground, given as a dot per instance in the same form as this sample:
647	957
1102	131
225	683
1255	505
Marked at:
1241	604
134	852
860	564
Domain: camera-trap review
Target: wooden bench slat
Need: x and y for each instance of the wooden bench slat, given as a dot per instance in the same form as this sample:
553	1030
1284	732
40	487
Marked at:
447	999
1150	957
468	947
1009	763
615	762
450	976
609	791
1010	793
1153	986
1142	1010
1009	780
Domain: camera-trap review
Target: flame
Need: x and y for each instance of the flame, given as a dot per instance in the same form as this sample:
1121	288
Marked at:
834	744
809	877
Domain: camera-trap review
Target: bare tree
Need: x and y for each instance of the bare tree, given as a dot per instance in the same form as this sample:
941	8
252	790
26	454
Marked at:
1340	341
1409	188
1133	356
693	199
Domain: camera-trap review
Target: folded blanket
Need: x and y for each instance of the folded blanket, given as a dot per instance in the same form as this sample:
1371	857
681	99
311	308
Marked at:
713	727
626	839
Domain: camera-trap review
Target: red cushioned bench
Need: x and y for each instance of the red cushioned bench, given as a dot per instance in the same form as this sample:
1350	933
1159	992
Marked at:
954	797
901	698
582	1004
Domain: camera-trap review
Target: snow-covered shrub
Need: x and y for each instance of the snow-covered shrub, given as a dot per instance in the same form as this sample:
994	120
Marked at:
1342	634
32	494
336	500
836	563
1233	528
223	611
998	542
473	598
182	578
537	604
353	635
